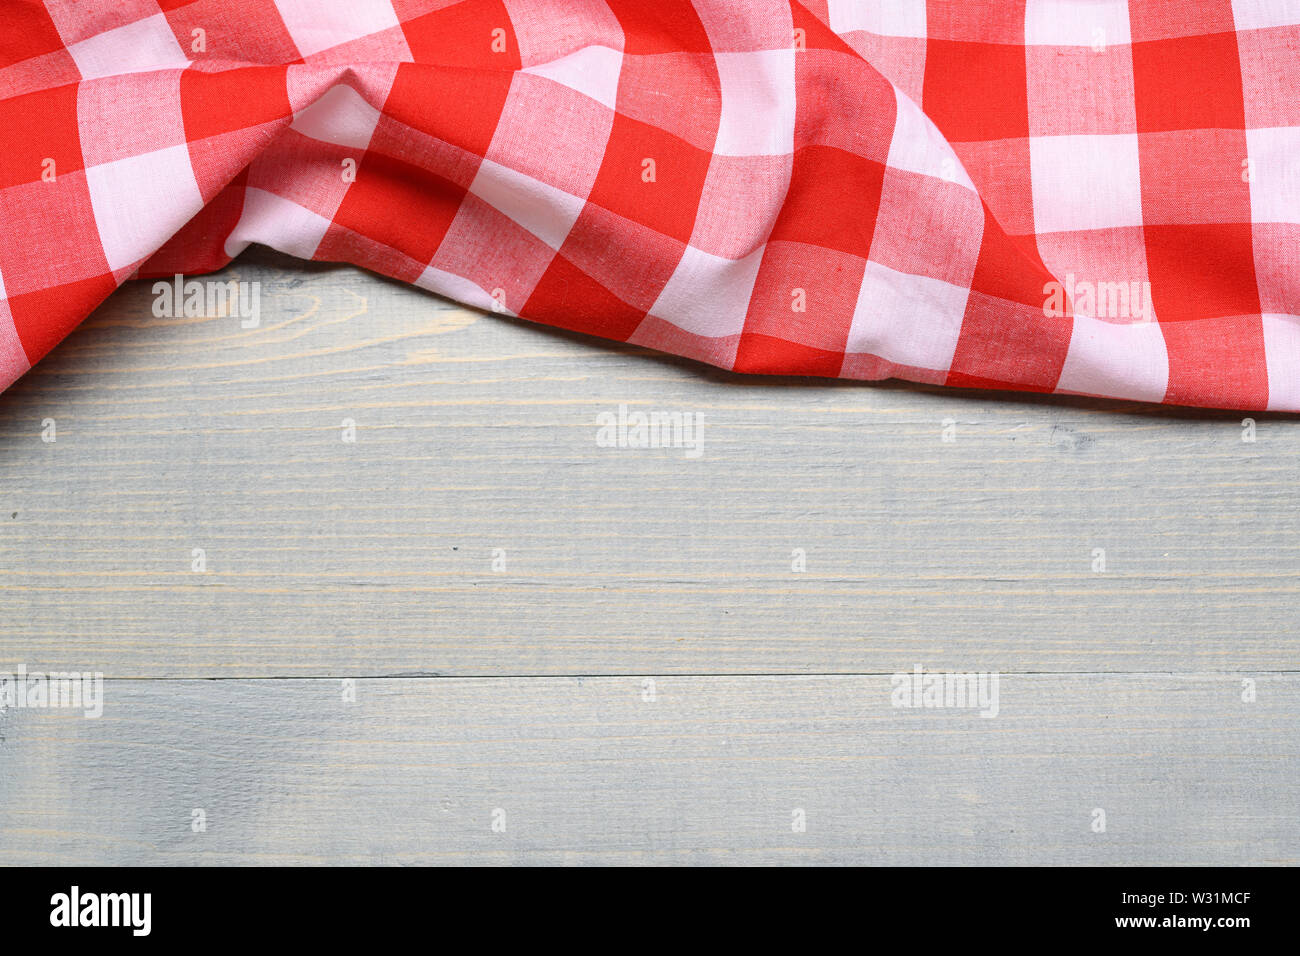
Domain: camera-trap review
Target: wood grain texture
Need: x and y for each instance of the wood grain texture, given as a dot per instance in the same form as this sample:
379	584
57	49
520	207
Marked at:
709	771
475	433
522	688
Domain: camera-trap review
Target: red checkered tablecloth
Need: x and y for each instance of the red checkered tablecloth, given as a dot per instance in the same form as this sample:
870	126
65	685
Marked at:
1098	197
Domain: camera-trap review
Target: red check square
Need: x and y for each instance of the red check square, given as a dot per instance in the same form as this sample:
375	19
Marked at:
1188	83
976	91
41	135
832	202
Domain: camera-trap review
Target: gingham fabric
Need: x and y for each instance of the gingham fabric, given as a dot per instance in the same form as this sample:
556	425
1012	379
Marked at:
1084	196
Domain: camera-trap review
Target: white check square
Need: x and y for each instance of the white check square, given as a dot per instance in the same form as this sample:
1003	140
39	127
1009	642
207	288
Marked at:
1099	24
758	103
317	26
1262	14
1275	174
907	319
1085	182
138	47
276	222
890	18
708	295
1119	360
142	201
919	147
1282	356
592	71
548	213
341	116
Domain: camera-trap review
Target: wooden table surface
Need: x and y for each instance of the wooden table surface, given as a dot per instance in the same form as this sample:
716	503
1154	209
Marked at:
475	634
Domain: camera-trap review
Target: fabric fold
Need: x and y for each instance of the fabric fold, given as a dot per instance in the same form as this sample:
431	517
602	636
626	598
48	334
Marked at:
1097	198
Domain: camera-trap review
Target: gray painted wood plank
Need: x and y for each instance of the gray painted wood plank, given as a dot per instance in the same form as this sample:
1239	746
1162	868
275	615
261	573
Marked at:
478	432
704	770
